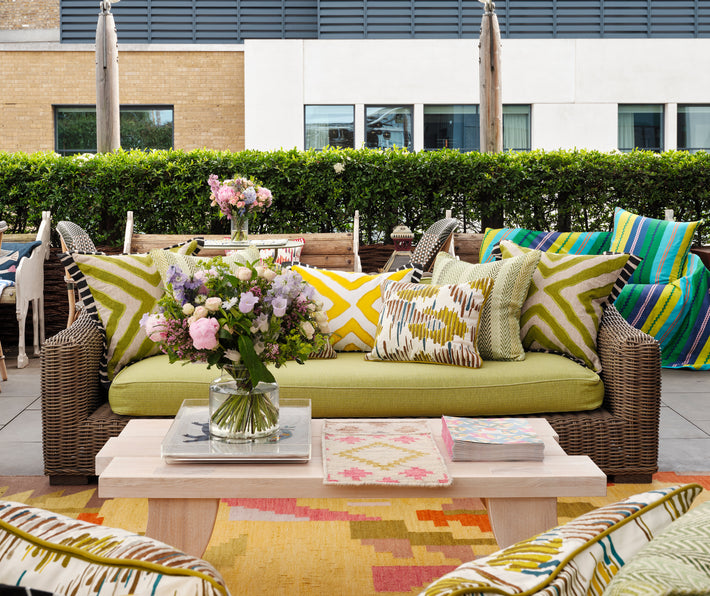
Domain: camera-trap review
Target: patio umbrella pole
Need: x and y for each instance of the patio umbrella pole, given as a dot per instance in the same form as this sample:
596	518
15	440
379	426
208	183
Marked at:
108	125
491	101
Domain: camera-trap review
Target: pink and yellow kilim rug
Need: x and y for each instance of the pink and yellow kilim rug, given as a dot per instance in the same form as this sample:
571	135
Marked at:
315	547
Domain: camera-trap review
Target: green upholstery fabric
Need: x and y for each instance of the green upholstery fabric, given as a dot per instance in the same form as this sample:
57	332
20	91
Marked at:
677	561
350	386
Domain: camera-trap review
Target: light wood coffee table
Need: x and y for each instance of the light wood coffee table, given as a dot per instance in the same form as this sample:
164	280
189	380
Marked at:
521	497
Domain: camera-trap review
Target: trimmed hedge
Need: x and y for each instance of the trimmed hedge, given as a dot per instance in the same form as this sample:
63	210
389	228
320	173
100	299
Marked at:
318	191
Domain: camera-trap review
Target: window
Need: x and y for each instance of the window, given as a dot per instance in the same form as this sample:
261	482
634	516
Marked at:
694	128
641	127
388	126
453	127
516	128
330	126
142	127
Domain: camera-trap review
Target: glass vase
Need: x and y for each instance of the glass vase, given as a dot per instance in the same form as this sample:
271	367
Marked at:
240	412
239	228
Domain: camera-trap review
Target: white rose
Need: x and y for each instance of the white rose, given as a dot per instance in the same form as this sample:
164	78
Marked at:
260	270
187	309
200	312
233	355
324	326
308	329
213	304
244	273
270	275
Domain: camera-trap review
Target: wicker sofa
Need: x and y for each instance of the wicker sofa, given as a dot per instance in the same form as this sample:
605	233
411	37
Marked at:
621	435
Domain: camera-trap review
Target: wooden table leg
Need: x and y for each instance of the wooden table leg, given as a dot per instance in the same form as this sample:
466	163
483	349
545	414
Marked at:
517	519
186	524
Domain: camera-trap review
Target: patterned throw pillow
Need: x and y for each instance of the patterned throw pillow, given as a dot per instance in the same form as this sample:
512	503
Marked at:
499	332
576	243
675	562
51	552
116	291
579	557
565	302
11	254
428	323
352	301
285	255
663	245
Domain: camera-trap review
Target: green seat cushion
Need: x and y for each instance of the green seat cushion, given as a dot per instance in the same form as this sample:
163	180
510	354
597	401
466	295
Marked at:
350	386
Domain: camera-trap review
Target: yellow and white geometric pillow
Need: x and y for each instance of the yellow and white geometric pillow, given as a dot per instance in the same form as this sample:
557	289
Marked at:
429	323
352	302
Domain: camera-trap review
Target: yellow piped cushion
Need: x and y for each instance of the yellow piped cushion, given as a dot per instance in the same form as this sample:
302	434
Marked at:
352	302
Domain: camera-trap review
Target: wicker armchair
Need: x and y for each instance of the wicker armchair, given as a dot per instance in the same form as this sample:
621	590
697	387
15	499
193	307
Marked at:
621	436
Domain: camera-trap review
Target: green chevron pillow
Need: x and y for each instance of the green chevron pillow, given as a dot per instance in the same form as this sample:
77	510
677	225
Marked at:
499	332
55	553
579	557
116	291
677	561
565	302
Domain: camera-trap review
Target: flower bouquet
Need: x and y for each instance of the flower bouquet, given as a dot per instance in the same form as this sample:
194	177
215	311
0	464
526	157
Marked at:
237	199
239	319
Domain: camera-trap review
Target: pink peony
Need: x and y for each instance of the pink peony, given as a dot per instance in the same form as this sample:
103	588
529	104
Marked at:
204	333
154	326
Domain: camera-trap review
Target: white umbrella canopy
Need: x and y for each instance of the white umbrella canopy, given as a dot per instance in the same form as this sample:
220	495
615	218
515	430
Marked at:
491	104
108	124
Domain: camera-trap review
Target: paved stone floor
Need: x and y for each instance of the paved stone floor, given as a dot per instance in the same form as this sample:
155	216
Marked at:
684	430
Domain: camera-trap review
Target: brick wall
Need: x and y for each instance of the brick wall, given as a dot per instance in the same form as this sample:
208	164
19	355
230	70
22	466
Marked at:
205	88
29	14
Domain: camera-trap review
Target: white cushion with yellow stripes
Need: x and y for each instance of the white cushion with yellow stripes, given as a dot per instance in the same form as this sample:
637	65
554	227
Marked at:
352	302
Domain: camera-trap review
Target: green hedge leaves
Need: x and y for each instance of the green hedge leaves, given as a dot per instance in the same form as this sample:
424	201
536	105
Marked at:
319	191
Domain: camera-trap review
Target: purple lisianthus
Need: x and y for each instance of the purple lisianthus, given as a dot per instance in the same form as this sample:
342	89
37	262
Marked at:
247	301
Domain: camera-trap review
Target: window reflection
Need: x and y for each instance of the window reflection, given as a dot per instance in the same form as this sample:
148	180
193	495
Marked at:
388	126
641	127
329	125
694	128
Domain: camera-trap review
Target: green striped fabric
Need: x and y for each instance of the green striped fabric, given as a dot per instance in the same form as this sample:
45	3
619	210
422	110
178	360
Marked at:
677	561
663	245
499	333
565	302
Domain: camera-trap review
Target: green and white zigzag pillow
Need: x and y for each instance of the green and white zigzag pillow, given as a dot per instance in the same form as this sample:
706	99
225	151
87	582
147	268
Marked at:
117	290
566	301
499	332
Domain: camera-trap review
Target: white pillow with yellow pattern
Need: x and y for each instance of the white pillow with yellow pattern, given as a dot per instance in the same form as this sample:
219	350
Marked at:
430	323
580	557
47	551
352	302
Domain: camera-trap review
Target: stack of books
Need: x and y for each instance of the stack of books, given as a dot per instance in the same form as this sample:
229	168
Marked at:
491	439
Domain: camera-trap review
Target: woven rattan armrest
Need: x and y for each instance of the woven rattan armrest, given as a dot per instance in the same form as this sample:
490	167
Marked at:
71	393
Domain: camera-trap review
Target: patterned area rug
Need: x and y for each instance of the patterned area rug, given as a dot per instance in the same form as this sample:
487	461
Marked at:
363	452
322	547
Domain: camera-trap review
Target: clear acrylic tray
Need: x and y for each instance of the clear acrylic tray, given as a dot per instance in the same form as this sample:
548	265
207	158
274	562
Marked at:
188	440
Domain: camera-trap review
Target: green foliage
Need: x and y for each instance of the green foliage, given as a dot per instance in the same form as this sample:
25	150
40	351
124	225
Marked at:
319	191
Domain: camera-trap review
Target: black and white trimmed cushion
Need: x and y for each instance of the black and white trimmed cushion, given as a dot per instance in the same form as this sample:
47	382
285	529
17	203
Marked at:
432	241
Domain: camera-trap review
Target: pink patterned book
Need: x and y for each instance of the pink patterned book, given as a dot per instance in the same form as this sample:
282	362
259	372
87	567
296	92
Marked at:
491	439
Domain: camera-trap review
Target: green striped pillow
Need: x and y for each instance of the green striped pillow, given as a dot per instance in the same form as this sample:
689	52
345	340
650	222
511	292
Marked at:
499	332
566	301
117	290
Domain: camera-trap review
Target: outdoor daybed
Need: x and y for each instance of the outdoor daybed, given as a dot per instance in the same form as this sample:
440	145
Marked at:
611	416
